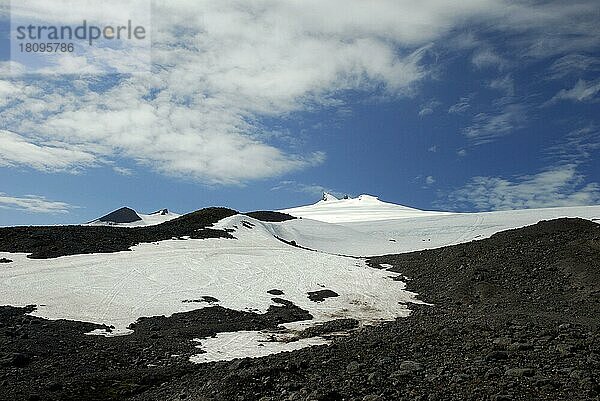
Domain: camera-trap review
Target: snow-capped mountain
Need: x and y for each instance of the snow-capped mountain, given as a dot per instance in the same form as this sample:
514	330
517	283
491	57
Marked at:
127	217
366	226
363	208
294	257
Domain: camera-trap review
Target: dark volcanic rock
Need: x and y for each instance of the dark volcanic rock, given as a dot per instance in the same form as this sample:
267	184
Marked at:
321	295
162	212
122	215
264	215
209	299
54	360
205	298
247	224
333	326
4	260
54	241
275	292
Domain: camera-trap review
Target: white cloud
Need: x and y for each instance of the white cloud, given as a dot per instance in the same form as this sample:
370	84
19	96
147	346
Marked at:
553	28
573	64
429	180
33	204
487	58
429	107
488	127
557	186
562	183
462	152
221	67
16	150
577	147
122	170
582	91
425	111
233	64
460	107
433	149
504	84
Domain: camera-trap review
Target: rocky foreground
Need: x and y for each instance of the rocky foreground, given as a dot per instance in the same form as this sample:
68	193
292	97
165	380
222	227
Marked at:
514	317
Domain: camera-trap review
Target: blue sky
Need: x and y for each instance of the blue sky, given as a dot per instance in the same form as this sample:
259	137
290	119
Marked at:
478	106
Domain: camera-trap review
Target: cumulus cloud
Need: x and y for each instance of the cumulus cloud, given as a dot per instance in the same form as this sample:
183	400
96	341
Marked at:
198	115
33	204
220	68
16	150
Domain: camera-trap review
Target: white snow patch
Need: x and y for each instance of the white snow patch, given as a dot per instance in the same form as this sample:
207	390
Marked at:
254	344
112	333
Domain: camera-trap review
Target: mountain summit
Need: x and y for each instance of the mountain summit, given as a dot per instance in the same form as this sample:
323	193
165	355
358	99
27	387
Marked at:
328	197
363	208
119	216
128	217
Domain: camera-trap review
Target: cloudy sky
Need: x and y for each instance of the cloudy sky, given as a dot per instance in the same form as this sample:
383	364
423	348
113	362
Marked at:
468	106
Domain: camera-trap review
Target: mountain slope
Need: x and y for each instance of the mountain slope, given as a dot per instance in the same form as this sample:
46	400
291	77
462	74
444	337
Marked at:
53	241
412	232
530	333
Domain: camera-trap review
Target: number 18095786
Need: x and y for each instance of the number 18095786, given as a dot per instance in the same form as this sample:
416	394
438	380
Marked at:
46	47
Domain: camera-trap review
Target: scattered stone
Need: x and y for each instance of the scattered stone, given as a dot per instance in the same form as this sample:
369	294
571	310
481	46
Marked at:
493	373
20	360
332	326
520	372
497	356
565	349
411	366
353	367
500	397
520	347
372	397
408	368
